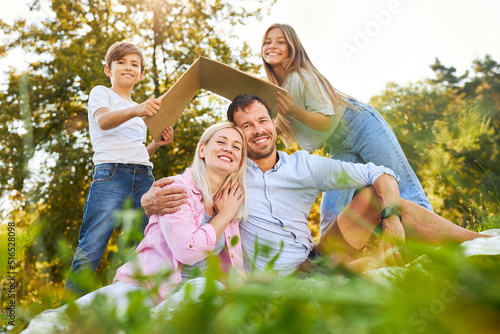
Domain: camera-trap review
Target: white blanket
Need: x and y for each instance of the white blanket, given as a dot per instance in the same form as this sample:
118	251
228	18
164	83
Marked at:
483	246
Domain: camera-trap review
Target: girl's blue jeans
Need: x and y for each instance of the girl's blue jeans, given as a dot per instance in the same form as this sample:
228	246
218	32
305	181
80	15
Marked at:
364	136
112	185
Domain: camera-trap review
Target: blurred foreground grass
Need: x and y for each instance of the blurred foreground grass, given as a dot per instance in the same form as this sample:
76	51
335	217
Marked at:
441	292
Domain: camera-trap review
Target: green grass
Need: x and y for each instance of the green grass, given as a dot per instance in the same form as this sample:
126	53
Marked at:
444	292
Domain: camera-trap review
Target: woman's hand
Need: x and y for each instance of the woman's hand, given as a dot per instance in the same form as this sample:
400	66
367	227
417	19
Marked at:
228	201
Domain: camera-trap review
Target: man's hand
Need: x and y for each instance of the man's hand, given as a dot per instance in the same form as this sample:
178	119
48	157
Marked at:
392	245
391	249
161	200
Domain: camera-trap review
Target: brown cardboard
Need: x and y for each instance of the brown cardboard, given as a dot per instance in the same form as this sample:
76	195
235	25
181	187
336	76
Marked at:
216	77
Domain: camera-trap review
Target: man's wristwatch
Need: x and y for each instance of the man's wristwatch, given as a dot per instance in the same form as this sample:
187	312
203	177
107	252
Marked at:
387	212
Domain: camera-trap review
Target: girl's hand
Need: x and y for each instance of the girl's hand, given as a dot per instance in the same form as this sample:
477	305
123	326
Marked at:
315	120
167	135
228	201
286	105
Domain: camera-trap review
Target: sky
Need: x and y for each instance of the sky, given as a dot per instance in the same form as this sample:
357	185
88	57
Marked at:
361	45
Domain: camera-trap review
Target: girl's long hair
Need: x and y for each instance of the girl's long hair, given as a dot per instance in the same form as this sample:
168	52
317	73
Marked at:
199	169
299	61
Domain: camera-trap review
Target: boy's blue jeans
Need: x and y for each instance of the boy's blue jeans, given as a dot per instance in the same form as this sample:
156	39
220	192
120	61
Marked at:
364	136
112	185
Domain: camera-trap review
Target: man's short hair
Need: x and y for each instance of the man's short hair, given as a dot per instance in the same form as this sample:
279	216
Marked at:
241	102
119	50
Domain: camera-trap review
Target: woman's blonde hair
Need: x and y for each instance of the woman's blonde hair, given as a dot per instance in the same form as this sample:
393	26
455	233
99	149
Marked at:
199	170
299	61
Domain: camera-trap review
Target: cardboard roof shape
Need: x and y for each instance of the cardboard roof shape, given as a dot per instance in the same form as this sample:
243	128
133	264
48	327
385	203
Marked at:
216	77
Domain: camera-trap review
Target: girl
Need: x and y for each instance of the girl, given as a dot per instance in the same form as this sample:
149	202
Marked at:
177	242
314	113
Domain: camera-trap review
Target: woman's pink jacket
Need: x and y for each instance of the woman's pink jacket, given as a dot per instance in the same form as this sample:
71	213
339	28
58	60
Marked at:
173	239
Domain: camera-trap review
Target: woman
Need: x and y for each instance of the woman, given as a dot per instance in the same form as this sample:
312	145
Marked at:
175	243
314	113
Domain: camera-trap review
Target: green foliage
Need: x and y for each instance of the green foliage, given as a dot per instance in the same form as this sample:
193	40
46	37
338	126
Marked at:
443	292
44	112
449	129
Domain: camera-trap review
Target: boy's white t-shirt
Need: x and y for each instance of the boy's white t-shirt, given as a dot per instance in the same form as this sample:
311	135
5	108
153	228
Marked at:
123	144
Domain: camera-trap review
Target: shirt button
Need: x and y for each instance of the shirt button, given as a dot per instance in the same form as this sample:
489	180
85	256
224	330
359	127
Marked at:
232	255
191	246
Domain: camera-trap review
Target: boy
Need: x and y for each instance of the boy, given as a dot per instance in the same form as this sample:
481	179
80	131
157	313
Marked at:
121	160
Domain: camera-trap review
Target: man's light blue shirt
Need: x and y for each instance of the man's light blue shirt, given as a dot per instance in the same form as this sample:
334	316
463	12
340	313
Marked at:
279	202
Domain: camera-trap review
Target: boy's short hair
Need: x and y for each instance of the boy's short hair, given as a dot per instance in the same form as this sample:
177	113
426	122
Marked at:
119	50
241	102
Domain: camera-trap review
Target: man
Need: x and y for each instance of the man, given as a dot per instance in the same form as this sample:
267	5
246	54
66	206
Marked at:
281	189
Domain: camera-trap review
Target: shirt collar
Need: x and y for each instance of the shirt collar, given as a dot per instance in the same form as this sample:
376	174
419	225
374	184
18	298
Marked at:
281	156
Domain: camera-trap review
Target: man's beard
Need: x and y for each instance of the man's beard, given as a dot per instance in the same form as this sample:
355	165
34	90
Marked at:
258	155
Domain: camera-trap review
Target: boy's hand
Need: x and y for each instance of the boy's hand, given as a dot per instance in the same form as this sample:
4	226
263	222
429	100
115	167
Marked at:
167	135
148	108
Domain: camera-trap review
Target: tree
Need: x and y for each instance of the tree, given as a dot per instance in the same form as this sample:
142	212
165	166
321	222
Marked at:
48	123
448	127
